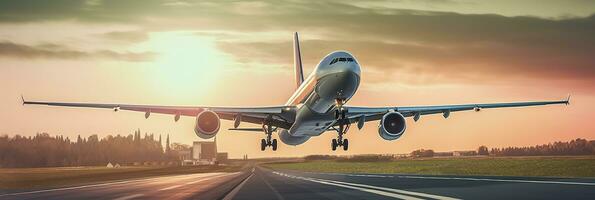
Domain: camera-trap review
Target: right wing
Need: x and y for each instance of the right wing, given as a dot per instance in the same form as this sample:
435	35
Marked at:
277	115
355	114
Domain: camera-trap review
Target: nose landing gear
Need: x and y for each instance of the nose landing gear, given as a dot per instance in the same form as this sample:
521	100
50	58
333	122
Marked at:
268	130
340	115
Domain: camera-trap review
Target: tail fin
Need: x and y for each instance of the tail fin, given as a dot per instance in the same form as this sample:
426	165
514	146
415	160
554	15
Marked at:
297	60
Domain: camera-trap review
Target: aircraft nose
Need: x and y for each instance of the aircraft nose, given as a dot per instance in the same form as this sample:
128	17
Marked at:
350	68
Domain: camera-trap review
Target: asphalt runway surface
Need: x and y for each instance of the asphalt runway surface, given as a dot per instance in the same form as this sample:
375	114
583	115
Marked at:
261	183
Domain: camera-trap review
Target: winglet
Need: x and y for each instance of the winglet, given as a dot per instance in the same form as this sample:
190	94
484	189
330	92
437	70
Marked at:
297	60
567	101
22	100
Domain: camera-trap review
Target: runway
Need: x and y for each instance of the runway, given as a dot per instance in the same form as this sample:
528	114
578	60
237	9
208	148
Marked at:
261	183
193	186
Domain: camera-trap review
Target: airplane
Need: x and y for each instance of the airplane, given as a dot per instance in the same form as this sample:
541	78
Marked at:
318	105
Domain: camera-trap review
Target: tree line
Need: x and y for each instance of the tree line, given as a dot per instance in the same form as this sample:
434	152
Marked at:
571	148
43	150
574	147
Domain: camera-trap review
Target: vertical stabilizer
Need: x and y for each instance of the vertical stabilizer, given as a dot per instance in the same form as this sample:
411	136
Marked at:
297	60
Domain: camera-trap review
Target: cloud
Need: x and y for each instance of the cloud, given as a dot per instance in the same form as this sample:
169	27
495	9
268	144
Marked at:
54	51
127	36
451	45
447	45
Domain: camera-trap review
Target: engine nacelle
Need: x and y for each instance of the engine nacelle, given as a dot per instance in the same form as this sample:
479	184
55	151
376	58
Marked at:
392	126
207	124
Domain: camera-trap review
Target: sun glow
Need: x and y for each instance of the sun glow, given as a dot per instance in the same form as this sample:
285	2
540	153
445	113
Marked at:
186	64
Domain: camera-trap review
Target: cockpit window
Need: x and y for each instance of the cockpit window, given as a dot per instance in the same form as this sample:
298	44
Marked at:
333	61
351	60
342	60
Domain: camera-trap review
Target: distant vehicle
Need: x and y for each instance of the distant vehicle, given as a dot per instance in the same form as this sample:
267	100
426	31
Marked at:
317	106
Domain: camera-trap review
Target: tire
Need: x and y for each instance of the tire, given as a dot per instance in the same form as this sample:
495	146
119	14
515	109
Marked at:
334	144
263	144
274	144
345	144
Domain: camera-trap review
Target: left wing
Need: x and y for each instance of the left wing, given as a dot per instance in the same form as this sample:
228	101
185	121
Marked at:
355	114
278	115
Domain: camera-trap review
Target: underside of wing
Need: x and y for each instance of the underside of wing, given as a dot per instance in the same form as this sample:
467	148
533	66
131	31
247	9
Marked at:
278	115
364	114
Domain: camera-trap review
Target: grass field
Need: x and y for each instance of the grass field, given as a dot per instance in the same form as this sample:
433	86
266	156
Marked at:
27	178
583	166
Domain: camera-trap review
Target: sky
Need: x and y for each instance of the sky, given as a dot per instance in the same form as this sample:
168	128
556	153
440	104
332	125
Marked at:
239	53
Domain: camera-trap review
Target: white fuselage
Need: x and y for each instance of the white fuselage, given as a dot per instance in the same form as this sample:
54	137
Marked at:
336	77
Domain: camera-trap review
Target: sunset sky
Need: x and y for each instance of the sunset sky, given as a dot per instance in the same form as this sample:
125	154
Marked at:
216	53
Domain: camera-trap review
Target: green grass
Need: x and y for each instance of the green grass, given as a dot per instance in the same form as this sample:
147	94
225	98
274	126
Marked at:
27	178
583	166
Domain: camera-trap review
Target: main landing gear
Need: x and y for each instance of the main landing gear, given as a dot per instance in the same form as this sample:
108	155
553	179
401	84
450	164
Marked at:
340	115
268	130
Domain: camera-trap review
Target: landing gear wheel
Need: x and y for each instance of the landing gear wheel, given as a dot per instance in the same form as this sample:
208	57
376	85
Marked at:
274	144
341	126
334	144
263	144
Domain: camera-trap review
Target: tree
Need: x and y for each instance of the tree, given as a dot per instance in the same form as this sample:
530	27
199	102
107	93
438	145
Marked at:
43	150
482	150
423	153
167	144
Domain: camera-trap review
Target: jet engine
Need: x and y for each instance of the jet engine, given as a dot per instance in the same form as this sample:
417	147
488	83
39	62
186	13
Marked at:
392	126
290	139
207	124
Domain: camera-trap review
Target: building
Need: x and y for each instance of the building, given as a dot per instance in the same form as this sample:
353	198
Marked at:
185	154
222	157
204	151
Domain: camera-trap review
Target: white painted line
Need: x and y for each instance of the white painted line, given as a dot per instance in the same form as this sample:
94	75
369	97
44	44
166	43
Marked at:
272	189
498	180
462	178
129	197
209	178
370	175
395	190
235	190
379	192
72	188
391	192
97	185
170	187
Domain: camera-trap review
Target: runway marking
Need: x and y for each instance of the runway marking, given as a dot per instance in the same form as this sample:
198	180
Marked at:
390	192
89	186
360	175
170	187
461	178
272	188
209	178
498	180
379	192
200	180
397	190
129	197
235	190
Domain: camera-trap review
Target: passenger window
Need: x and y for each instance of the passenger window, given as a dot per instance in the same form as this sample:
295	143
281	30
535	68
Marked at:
342	59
